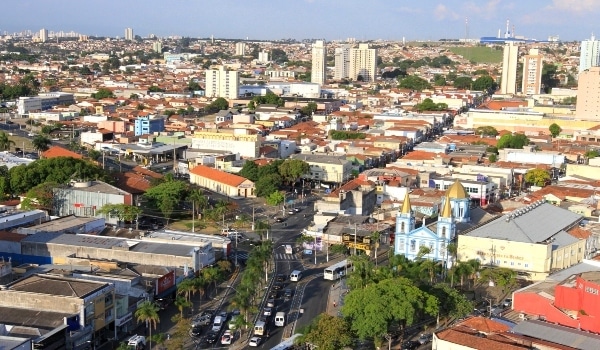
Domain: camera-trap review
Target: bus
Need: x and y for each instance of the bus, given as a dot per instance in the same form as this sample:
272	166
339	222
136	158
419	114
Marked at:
337	271
289	249
286	344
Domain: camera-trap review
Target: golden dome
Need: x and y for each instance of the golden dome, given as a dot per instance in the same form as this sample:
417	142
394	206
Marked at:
456	191
406	204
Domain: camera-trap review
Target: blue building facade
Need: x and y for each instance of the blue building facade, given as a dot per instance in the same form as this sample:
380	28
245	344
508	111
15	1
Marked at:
145	125
409	240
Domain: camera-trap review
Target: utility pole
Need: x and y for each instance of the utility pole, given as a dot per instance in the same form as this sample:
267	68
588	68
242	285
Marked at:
315	249
174	157
252	218
103	153
194	221
354	239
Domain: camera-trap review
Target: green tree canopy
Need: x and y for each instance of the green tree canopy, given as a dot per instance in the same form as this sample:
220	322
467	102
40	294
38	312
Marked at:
103	93
328	333
537	177
517	141
275	198
123	212
249	171
463	83
554	129
268	184
429	105
485	83
486	131
220	104
269	98
167	195
414	82
292	169
309	109
452	302
346	135
5	142
40	197
373	309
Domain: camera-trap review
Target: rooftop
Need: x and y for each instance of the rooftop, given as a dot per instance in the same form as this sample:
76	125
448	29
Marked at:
55	285
558	334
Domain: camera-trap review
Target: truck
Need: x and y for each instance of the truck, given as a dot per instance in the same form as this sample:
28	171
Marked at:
137	342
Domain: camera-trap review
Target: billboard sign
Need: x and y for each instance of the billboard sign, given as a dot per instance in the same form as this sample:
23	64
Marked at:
165	282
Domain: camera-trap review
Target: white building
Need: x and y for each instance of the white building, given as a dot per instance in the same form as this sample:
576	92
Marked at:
532	73
240	49
590	54
263	57
342	62
363	63
319	61
222	83
128	34
43	102
509	69
43	35
307	90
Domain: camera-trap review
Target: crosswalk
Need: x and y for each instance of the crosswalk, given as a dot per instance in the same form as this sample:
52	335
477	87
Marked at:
277	256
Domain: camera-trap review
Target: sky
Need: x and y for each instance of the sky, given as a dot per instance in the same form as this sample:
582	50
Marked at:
307	19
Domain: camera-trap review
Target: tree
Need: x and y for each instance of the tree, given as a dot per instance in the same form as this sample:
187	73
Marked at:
373	309
275	198
147	313
292	169
103	93
512	141
554	129
429	105
167	195
181	304
41	143
328	333
219	104
414	82
261	228
486	131
463	83
94	154
452	302
537	177
503	277
124	212
439	80
485	83
592	154
5	142
549	79
267	184
199	201
309	109
249	171
40	197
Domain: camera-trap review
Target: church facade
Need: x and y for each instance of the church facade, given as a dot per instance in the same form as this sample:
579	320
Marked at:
436	236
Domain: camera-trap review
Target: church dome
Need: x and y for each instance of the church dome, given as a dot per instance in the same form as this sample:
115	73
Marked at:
456	191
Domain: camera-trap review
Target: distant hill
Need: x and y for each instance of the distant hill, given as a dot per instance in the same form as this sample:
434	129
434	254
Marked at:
478	54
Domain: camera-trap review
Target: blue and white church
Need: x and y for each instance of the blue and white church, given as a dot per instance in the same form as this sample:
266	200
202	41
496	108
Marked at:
435	236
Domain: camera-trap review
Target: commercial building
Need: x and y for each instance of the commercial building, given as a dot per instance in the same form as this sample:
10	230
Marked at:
326	168
508	85
590	54
128	34
526	241
43	35
221	182
319	62
43	101
222	83
342	62
244	145
356	197
363	63
263	57
588	94
148	125
157	46
532	73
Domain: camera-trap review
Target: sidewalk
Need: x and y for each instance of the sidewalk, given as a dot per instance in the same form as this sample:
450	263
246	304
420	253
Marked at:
335	299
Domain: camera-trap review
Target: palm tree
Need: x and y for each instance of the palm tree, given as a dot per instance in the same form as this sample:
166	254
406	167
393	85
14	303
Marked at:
224	265
375	238
429	266
199	202
211	275
185	288
41	143
261	228
5	142
147	312
181	304
199	286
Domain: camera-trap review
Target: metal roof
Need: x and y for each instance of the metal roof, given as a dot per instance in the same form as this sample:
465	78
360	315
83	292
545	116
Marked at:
532	224
558	334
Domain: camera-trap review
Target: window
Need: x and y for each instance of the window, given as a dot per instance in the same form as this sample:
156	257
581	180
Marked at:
413	245
402	228
431	246
444	232
526	265
401	245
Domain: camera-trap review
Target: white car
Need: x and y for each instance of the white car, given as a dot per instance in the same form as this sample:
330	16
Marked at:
254	341
226	338
267	311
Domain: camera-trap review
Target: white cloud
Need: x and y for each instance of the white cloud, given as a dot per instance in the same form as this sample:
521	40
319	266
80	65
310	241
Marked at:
441	12
575	6
482	9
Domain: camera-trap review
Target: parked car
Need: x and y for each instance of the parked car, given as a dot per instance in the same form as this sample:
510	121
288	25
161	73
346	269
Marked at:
297	210
291	212
211	337
267	311
280	277
254	341
507	302
201	320
278	219
226	338
271	302
287	294
273	294
277	286
424	338
410	345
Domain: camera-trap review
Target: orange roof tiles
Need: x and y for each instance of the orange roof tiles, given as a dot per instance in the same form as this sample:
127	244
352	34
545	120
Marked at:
57	151
218	175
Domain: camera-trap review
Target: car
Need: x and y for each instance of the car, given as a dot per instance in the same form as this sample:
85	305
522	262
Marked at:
278	219
410	345
201	320
226	338
507	302
288	293
280	277
196	331
424	338
267	311
291	212
271	302
224	314
297	210
211	337
31	134
9	122
273	294
277	286
254	341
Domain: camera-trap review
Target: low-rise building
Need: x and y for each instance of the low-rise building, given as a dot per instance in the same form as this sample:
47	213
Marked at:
222	182
326	168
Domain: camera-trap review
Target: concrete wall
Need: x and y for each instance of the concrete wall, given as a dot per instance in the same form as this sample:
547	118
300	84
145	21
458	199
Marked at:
36	301
591	172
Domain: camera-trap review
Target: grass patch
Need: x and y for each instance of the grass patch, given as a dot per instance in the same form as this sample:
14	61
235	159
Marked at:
478	54
19	142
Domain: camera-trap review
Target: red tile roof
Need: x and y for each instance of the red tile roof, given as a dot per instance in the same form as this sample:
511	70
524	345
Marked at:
218	175
56	151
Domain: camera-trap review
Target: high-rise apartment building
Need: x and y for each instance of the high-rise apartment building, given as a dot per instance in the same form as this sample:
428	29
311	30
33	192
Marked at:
363	63
263	57
342	62
43	35
240	49
590	54
128	34
588	94
157	46
508	85
222	83
532	73
319	61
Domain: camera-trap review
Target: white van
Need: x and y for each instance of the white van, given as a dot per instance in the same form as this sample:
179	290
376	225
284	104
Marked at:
260	328
280	319
295	276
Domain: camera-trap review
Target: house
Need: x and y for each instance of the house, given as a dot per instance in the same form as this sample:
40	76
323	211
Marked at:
222	182
57	151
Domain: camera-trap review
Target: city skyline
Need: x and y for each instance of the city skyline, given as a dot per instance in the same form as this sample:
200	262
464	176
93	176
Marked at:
304	19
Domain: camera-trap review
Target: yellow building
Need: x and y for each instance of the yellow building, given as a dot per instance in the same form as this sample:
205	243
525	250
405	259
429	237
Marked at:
533	241
222	182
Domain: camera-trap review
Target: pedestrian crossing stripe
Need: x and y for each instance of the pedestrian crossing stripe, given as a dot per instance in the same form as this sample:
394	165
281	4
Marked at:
281	256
